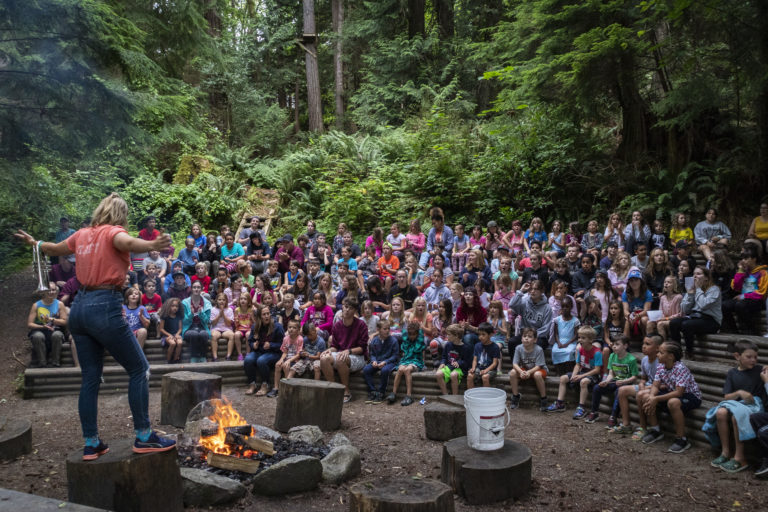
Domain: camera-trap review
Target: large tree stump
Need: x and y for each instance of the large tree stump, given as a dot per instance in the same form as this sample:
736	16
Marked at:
401	495
15	437
486	477
126	482
443	421
182	391
309	402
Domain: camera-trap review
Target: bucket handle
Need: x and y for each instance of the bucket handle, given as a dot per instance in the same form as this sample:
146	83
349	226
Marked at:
495	430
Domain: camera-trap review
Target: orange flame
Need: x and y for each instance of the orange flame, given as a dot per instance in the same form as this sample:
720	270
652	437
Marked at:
226	416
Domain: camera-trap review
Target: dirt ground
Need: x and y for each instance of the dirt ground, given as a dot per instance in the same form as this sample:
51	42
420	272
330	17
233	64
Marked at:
576	466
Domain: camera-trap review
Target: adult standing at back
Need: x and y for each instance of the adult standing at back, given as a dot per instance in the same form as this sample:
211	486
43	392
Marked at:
96	319
287	253
439	240
758	231
711	234
636	231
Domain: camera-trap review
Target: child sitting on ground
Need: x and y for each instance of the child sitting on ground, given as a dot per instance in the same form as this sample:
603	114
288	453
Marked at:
314	345
384	352
413	348
528	363
622	371
486	358
675	391
170	330
457	359
744	394
292	346
585	374
648	365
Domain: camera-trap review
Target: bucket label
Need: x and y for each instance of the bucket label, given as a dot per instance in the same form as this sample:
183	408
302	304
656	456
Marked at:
491	427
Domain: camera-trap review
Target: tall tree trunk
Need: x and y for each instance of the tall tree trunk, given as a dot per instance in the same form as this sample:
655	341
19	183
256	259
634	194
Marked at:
634	133
213	18
415	18
314	106
761	102
444	15
337	8
296	115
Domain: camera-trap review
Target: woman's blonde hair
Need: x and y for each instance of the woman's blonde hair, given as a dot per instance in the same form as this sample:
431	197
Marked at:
112	210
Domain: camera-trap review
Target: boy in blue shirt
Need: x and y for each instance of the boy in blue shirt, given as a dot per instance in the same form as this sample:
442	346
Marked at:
383	351
586	373
486	358
457	358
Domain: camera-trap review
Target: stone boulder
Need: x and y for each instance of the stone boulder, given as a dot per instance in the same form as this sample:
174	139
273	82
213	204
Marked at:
294	474
267	433
310	434
338	440
341	464
203	488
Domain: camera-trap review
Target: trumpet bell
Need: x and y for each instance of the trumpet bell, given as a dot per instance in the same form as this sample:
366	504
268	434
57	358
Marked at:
41	267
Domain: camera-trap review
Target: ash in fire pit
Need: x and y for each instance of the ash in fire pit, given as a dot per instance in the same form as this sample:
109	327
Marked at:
217	439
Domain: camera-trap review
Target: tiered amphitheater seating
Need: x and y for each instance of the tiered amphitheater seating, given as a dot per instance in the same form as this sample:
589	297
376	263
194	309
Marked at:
709	370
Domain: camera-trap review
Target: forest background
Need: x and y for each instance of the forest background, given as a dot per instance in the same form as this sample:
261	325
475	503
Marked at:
370	112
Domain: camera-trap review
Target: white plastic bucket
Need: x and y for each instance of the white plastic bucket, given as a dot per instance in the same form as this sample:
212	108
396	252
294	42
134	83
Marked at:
487	417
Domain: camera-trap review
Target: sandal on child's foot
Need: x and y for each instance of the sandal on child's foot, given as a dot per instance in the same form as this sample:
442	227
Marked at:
719	461
733	466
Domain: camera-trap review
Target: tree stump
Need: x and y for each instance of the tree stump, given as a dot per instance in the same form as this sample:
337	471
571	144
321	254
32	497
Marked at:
443	422
182	391
22	502
486	477
15	437
309	402
401	495
126	482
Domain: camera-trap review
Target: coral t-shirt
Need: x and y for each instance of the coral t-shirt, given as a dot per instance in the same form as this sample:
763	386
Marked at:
98	261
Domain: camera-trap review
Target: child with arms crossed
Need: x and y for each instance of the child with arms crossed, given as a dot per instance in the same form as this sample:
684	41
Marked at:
457	359
486	359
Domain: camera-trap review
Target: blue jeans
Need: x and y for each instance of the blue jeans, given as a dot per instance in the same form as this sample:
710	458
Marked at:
96	321
258	365
369	371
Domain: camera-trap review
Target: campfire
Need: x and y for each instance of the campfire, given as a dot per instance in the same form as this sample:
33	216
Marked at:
228	445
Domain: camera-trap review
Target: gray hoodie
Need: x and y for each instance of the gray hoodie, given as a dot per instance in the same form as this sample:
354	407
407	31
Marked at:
707	302
537	315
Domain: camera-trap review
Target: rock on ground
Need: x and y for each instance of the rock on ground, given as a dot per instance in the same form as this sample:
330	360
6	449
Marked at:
341	464
338	440
310	434
294	474
202	488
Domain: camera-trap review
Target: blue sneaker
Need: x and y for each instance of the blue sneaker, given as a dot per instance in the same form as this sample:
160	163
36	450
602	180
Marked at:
94	452
580	413
155	443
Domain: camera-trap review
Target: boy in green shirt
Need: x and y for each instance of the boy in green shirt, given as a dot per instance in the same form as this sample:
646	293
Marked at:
622	370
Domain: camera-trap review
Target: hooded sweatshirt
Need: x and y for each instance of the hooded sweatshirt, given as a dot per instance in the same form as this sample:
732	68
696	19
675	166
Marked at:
536	315
168	282
753	285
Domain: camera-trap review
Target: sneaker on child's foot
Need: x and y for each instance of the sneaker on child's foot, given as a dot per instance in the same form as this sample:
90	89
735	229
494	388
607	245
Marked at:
652	436
543	404
612	422
638	434
377	398
580	413
679	446
763	469
556	407
272	393
622	430
371	396
514	401
391	398
591	417
94	452
155	443
407	400
240	357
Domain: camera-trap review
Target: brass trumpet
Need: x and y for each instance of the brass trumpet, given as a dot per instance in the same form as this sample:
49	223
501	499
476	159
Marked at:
41	269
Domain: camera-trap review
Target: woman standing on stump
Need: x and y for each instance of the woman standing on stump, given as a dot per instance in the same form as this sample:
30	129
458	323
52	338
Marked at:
96	319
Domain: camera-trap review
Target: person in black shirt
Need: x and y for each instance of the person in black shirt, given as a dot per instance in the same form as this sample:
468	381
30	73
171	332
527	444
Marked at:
402	289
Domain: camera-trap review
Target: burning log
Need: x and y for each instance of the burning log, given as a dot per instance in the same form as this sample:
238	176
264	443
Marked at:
261	445
243	430
217	460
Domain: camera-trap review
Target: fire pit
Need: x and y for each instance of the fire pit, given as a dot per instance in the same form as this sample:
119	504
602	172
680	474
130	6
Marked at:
219	440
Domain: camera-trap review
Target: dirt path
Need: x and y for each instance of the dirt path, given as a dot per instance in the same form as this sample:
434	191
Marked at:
576	466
